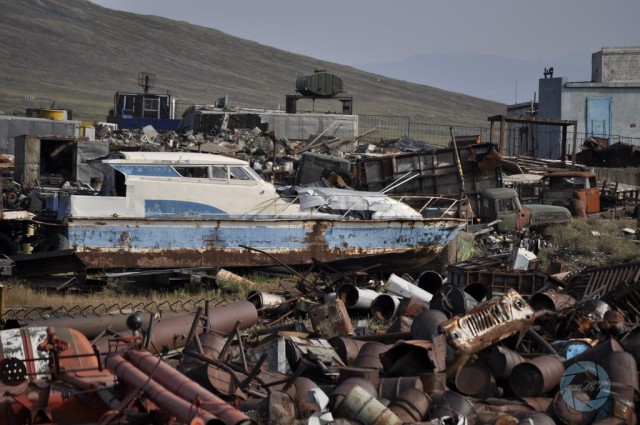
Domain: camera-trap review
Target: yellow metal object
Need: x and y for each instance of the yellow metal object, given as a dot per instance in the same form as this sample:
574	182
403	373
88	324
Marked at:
52	114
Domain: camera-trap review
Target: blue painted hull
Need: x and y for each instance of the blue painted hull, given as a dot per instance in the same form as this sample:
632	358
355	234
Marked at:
171	243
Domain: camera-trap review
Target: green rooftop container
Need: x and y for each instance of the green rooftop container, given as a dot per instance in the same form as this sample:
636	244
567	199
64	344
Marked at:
319	84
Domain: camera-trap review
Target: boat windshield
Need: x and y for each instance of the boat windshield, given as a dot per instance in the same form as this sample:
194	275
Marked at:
147	170
195	171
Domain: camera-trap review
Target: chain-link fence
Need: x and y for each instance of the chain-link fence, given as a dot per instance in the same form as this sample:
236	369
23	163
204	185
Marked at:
388	127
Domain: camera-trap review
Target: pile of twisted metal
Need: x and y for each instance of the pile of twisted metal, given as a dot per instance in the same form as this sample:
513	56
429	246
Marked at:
480	346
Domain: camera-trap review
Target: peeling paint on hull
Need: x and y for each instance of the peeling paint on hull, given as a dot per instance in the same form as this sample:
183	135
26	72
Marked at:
162	243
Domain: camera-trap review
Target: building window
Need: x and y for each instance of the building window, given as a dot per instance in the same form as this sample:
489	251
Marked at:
151	108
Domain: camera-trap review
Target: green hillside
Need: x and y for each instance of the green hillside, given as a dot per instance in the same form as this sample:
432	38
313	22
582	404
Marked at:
78	54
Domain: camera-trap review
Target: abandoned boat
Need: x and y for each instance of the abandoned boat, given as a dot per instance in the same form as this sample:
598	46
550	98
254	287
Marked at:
176	209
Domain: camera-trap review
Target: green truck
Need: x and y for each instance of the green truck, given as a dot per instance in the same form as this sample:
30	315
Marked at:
502	204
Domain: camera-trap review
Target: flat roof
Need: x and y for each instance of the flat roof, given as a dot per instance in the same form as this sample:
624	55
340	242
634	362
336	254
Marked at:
171	158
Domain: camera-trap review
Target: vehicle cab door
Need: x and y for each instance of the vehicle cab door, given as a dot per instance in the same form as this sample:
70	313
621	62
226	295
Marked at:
511	214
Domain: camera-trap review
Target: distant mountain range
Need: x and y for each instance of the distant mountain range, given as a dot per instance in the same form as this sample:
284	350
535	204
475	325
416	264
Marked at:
491	77
77	54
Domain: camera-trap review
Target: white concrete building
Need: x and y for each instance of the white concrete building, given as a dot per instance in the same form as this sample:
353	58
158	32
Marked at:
608	106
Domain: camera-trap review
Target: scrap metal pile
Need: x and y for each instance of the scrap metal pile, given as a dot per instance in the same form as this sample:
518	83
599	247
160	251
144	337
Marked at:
474	348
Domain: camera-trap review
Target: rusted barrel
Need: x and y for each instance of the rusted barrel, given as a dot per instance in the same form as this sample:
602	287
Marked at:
412	405
568	413
369	355
500	360
536	376
391	388
371	375
426	324
622	371
453	404
340	391
346	348
551	300
539	404
282	408
434	382
298	391
475	380
359	404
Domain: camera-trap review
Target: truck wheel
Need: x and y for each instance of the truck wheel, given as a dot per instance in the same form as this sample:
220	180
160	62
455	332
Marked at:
7	245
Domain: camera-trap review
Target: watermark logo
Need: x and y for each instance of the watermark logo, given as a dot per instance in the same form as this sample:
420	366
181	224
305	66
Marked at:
590	378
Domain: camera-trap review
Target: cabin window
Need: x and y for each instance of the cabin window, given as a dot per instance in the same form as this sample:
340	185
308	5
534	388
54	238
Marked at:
567	183
506	204
147	170
219	172
239	173
200	172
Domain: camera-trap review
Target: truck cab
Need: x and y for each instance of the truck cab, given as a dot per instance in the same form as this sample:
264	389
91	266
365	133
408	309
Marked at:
504	205
562	187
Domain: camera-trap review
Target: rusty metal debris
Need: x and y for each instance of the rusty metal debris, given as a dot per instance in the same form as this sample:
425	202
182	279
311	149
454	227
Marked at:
473	351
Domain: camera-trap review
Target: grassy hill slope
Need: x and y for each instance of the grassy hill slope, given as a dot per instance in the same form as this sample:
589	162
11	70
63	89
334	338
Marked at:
78	54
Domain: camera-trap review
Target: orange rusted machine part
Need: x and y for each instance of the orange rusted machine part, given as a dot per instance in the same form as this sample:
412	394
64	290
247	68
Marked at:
31	359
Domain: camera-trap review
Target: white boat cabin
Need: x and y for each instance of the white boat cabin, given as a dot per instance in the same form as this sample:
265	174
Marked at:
196	185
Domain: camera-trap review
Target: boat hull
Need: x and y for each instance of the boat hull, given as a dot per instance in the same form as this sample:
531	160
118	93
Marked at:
176	243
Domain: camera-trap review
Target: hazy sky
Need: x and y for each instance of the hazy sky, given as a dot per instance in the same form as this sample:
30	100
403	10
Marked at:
352	32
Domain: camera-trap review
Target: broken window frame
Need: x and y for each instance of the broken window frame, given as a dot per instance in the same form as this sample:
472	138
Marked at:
193	172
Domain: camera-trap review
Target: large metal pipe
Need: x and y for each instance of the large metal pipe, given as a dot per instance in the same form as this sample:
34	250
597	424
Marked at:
356	298
185	388
94	325
430	281
452	300
404	288
172	334
185	411
269	304
385	306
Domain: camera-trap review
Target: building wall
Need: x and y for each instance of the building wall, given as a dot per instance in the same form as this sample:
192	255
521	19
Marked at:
303	126
625	106
561	100
616	64
550	107
11	127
